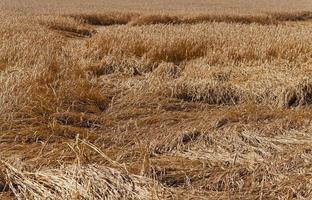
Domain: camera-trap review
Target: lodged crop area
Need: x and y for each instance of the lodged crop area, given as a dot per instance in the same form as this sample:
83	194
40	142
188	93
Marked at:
177	103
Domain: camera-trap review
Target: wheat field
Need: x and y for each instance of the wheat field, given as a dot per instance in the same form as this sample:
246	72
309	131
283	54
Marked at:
155	99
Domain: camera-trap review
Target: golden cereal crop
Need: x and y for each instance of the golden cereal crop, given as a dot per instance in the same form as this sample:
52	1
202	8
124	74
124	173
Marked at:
155	100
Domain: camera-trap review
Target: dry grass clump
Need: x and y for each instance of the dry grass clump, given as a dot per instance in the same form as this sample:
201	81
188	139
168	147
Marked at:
40	85
300	95
177	142
26	44
207	92
76	182
24	53
52	91
241	169
167	71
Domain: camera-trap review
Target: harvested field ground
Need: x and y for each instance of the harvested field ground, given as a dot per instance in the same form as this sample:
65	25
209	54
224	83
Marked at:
155	100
